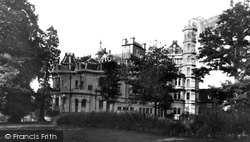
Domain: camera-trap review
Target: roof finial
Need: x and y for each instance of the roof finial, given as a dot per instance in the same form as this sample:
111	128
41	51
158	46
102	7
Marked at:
100	43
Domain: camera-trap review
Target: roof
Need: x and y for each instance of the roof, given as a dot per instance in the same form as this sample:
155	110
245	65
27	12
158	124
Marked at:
68	59
175	48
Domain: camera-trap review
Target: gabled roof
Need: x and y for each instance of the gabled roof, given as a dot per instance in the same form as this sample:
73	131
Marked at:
175	48
68	59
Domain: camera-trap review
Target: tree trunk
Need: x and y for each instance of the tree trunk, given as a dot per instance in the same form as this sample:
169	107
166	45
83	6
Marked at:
42	105
42	109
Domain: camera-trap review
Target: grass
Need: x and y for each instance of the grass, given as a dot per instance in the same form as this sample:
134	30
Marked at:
91	134
112	135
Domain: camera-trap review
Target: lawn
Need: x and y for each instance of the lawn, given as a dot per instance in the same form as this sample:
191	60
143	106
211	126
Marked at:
90	134
111	135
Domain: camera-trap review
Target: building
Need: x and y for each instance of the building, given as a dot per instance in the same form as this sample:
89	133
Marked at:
206	102
75	80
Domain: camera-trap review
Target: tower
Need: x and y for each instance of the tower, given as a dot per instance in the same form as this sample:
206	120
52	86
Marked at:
189	63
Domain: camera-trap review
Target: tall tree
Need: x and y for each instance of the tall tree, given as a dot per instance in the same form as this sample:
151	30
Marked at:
109	82
49	53
226	47
151	79
20	42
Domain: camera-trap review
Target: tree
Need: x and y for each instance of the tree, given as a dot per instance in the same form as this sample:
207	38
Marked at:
49	53
20	42
226	46
109	82
151	78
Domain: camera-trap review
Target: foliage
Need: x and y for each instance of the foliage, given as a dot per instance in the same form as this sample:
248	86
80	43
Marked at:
226	47
109	82
125	121
49	53
25	49
19	56
151	77
223	125
16	103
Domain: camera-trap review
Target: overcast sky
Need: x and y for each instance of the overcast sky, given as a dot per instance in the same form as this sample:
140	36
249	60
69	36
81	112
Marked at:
82	24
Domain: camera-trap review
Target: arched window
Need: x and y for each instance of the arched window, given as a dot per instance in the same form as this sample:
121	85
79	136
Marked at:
188	82
76	105
83	103
179	82
188	95
188	59
175	110
179	111
188	70
175	96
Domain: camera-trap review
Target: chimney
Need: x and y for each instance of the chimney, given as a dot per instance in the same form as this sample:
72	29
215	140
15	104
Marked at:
124	41
109	51
132	40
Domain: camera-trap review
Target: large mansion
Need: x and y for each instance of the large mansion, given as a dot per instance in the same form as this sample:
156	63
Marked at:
75	79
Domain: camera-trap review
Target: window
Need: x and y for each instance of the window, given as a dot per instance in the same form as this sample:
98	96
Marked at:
147	110
176	82
188	70
179	82
57	83
84	103
188	82
57	101
81	85
188	95
100	104
76	84
131	108
150	110
119	108
76	105
179	111
175	110
175	96
179	95
188	47
90	87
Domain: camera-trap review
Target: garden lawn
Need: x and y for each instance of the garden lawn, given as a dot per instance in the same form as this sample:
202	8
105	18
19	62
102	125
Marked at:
113	135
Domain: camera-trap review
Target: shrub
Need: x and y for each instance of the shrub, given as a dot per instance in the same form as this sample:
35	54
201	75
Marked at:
125	121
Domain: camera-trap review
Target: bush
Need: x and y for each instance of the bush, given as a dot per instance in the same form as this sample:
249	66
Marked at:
125	121
217	124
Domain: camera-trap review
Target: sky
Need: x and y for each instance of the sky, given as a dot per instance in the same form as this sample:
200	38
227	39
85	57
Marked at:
82	24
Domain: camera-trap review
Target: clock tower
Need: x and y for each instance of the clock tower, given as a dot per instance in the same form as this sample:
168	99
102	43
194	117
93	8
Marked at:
189	63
